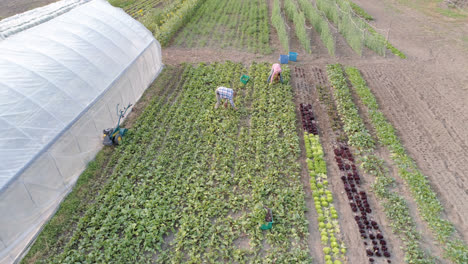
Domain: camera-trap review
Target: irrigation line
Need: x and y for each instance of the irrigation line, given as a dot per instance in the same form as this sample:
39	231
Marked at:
351	11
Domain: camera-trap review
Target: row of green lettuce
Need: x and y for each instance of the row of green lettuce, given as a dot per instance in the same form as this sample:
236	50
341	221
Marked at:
330	232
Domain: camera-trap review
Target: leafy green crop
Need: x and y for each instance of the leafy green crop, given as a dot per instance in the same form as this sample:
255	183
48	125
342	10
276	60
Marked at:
359	136
329	228
191	182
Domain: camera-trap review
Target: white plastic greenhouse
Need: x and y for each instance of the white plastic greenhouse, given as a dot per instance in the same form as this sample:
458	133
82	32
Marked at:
63	70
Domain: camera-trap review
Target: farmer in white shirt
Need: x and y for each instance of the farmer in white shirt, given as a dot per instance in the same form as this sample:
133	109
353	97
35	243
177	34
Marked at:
225	93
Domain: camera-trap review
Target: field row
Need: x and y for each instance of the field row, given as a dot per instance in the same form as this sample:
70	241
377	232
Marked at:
358	137
425	197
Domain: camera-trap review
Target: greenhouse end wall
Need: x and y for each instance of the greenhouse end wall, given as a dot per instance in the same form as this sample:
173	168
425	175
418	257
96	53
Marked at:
33	195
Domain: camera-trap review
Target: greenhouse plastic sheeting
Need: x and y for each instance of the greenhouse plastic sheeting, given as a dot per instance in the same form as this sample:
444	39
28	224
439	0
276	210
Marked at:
17	23
60	83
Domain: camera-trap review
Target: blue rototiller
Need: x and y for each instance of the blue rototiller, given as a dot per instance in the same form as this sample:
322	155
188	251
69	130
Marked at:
113	136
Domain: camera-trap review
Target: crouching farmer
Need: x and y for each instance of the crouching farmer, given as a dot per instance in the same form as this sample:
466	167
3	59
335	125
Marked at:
275	73
223	93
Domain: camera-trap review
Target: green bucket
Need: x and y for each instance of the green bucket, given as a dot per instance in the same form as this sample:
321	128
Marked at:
267	226
244	79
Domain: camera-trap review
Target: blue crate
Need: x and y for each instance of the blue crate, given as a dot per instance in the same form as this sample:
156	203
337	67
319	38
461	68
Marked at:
292	56
284	59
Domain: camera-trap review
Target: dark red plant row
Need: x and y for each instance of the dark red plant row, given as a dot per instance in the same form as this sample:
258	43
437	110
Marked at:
376	246
308	120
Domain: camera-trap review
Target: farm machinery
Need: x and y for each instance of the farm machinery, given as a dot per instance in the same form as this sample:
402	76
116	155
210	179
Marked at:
113	136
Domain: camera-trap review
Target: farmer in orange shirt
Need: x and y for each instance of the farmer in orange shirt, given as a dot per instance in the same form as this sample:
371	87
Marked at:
275	73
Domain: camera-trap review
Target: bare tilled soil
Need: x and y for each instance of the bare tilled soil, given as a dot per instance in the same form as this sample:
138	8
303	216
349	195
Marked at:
433	128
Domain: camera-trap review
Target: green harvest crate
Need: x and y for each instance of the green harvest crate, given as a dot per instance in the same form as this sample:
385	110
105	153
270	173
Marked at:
244	79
